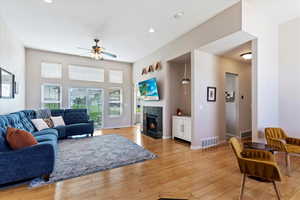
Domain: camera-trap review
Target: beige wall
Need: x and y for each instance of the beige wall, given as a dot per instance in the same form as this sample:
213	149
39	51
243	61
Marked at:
34	58
181	94
223	24
211	72
12	59
289	77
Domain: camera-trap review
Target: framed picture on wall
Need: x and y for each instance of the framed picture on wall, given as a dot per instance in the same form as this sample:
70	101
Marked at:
7	86
211	94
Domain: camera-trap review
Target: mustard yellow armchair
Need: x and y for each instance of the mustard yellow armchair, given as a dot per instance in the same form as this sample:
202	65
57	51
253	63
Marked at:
256	163
278	139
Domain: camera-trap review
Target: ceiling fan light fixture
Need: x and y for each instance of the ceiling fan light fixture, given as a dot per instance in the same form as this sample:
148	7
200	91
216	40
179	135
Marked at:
48	1
247	56
151	30
178	15
185	81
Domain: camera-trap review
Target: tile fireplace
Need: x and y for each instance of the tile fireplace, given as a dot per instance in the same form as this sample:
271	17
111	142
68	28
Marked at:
152	121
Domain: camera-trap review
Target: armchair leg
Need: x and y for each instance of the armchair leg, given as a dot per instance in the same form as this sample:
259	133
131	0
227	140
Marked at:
242	186
288	164
276	190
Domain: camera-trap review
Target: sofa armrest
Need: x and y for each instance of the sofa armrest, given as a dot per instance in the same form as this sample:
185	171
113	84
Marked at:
278	144
26	163
294	141
260	168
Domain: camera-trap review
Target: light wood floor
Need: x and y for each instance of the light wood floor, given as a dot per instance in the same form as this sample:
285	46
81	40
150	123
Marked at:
209	174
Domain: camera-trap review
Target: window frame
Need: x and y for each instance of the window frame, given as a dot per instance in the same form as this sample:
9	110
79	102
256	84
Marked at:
84	66
43	94
115	70
49	62
120	102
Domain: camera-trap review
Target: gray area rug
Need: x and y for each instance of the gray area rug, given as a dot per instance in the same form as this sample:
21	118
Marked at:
78	157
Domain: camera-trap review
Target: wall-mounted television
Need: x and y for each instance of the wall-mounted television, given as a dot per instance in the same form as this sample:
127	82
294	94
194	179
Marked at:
148	90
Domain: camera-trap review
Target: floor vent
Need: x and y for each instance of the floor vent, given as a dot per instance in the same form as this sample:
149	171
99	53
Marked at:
209	142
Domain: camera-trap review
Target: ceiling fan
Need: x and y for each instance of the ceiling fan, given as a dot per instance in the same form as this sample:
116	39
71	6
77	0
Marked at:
97	51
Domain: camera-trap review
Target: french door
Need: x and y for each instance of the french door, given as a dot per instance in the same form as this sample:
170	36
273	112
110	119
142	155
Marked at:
91	99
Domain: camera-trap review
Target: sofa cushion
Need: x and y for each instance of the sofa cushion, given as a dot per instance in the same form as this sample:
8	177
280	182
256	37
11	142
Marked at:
19	139
58	121
40	124
74	116
57	112
4	123
43	114
47	137
4	147
14	120
79	129
49	122
45	132
61	131
30	114
26	122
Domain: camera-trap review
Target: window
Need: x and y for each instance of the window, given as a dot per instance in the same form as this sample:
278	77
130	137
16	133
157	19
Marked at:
51	70
115	76
81	73
115	102
51	96
91	99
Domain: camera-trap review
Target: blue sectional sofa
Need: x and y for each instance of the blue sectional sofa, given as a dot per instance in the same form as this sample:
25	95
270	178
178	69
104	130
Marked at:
37	160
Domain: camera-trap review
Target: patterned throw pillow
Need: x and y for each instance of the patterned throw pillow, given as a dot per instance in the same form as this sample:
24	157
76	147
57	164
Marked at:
58	121
18	139
39	124
49	123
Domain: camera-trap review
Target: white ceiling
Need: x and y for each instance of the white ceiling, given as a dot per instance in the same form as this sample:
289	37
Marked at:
121	25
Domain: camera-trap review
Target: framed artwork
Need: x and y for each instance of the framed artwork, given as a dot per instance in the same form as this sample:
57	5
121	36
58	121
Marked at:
211	94
7	84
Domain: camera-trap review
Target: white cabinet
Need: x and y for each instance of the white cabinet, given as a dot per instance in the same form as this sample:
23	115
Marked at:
181	128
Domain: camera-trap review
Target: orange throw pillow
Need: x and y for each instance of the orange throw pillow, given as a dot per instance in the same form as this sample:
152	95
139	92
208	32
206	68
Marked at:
18	139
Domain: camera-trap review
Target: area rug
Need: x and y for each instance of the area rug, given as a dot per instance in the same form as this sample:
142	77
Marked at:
78	157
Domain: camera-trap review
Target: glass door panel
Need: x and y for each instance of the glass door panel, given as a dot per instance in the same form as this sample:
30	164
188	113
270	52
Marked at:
92	100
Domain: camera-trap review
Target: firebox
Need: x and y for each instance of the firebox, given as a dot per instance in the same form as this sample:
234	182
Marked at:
152	121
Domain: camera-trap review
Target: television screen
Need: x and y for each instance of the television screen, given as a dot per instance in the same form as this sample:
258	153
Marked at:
148	90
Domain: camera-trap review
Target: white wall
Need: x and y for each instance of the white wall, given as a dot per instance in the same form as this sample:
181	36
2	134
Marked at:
34	58
223	24
258	23
289	77
12	59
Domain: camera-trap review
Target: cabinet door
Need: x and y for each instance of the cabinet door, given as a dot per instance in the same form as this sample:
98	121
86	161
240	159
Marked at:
187	130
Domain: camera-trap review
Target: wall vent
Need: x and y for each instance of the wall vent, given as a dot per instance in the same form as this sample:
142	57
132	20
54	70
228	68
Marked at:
209	142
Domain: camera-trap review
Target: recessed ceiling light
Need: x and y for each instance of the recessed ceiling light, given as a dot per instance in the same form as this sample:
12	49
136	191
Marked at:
151	30
247	56
48	1
178	15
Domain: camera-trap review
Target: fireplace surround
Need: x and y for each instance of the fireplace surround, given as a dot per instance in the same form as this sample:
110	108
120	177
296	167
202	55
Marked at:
152	121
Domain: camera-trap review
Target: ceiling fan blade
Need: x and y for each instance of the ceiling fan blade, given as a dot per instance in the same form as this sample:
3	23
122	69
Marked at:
85	54
84	48
109	54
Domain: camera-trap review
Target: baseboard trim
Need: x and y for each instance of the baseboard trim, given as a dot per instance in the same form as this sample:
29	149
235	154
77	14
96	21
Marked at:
126	126
200	147
166	137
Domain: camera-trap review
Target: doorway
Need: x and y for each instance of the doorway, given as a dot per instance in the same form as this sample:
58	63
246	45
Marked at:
232	104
